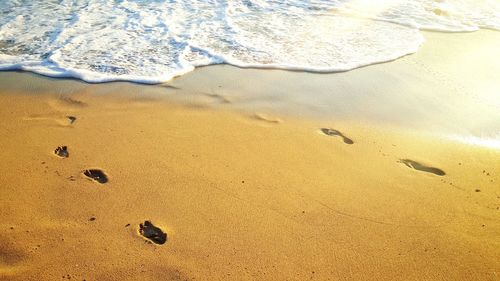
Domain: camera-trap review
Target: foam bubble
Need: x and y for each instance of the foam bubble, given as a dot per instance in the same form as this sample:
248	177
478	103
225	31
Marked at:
153	41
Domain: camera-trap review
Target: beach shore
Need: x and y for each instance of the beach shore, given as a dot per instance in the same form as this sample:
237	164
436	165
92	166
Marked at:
257	174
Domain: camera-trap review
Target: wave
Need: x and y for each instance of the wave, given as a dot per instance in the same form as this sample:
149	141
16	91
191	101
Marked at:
154	41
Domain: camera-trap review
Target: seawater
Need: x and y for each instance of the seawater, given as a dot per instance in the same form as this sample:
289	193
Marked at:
153	41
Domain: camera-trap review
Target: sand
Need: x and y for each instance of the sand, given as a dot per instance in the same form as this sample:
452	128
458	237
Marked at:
241	192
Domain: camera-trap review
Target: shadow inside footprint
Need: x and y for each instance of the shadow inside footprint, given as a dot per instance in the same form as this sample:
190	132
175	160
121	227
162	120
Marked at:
152	233
333	132
71	101
97	175
420	167
265	118
62	151
72	119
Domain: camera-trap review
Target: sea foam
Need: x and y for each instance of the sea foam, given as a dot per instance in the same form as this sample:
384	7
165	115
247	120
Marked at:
154	41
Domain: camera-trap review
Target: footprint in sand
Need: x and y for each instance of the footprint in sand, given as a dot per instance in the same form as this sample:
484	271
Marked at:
72	119
97	175
64	101
64	121
333	132
62	151
219	98
420	167
266	118
153	233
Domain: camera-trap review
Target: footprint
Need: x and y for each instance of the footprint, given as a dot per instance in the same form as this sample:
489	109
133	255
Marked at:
333	132
53	116
69	101
11	256
152	233
62	151
266	118
97	175
72	119
165	85
219	98
420	167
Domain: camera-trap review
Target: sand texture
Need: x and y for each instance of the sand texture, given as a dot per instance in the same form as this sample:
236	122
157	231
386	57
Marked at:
238	197
245	174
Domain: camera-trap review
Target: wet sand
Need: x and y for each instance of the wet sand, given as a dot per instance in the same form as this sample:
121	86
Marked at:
117	182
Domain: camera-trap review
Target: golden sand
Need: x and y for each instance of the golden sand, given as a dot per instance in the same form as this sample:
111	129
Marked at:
241	195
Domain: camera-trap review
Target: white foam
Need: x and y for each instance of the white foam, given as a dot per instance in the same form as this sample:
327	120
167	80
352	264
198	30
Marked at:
437	15
153	41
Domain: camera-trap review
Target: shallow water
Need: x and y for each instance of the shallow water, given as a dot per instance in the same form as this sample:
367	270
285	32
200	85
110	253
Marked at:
153	41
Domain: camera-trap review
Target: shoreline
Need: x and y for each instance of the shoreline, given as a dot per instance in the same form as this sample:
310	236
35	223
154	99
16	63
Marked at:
437	90
254	174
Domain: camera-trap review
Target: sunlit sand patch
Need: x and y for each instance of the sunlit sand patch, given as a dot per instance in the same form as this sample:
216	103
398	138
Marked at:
11	271
58	112
478	141
65	121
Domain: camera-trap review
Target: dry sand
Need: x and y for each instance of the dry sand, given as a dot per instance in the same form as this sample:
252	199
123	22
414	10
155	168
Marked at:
242	195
